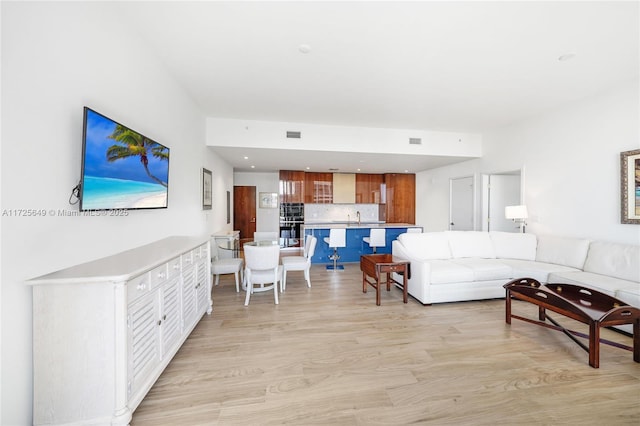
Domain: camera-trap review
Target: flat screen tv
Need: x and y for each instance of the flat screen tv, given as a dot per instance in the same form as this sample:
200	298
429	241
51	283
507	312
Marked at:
121	169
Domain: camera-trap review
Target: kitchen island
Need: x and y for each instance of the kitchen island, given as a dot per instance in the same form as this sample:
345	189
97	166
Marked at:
356	247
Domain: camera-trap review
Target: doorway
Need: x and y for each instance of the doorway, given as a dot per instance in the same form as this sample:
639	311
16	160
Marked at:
500	190
461	208
244	211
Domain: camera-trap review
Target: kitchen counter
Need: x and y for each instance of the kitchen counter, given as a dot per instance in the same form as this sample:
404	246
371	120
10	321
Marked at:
355	246
330	225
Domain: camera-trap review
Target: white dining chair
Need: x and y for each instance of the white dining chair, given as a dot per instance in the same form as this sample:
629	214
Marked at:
377	238
261	268
337	238
265	236
299	263
225	266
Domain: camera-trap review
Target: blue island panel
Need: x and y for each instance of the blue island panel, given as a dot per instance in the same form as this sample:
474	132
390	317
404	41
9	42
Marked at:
355	248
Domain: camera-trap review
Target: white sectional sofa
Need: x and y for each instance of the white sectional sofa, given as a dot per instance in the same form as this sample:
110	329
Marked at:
454	266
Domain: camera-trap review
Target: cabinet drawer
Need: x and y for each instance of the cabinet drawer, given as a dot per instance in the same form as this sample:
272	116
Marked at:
138	286
392	268
200	253
159	275
187	259
174	267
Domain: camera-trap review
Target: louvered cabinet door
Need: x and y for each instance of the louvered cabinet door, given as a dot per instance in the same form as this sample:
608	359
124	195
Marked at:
201	288
171	319
143	342
189	301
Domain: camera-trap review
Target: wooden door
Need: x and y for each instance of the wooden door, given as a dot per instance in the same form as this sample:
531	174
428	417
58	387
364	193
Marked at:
244	210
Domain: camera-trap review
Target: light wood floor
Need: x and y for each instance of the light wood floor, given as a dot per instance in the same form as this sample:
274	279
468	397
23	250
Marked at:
329	355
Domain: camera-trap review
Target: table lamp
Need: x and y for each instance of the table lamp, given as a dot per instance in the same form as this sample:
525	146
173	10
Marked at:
517	214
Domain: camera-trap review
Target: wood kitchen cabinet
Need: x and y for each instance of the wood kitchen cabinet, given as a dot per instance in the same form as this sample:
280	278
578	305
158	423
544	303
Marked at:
318	187
401	197
368	187
292	186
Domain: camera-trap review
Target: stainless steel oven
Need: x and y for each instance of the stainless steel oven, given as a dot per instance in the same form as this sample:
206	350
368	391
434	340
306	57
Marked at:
291	219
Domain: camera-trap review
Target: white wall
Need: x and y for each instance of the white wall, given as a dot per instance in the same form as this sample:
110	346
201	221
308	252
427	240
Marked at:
572	168
56	58
266	219
222	182
432	194
317	137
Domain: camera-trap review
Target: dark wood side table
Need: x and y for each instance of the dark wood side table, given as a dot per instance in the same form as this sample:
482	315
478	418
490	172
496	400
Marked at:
375	265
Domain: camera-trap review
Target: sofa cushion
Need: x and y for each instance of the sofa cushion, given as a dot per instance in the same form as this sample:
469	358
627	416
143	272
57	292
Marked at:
445	271
471	244
426	246
617	260
536	270
486	269
602	283
562	251
630	296
512	245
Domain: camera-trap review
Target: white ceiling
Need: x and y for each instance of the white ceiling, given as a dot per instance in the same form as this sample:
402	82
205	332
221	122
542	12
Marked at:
452	66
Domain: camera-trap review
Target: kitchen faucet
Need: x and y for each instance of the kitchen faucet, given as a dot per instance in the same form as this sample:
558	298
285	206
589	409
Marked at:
358	214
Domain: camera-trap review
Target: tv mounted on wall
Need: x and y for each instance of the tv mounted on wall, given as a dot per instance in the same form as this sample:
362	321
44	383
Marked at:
121	169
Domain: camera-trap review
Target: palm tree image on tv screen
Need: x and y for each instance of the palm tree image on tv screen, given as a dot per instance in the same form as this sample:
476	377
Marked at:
122	169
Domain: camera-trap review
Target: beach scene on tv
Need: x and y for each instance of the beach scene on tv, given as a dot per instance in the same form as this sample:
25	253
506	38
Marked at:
122	169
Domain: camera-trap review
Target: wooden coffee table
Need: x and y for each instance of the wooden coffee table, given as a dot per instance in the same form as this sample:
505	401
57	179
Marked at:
375	265
581	304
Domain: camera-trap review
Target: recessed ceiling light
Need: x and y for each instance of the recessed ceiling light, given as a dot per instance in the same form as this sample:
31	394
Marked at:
246	158
253	167
567	56
304	48
308	168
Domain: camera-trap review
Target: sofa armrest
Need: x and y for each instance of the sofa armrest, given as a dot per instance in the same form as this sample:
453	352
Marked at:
418	285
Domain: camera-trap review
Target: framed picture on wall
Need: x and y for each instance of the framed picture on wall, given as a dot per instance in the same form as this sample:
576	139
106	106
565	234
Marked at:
630	186
207	183
268	200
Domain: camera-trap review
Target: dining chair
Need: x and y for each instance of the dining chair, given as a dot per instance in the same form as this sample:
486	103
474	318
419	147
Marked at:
265	236
299	263
261	267
377	238
225	266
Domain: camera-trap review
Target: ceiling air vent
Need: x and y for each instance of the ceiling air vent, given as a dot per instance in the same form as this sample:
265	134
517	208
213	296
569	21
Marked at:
293	135
415	141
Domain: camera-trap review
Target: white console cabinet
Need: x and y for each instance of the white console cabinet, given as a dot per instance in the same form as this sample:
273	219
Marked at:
104	331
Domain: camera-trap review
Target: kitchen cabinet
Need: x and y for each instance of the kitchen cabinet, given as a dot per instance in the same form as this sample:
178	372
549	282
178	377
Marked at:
368	188
318	187
344	188
292	186
400	197
354	240
104	331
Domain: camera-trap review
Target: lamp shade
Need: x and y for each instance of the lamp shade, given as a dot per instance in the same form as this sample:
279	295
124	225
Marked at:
516	212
